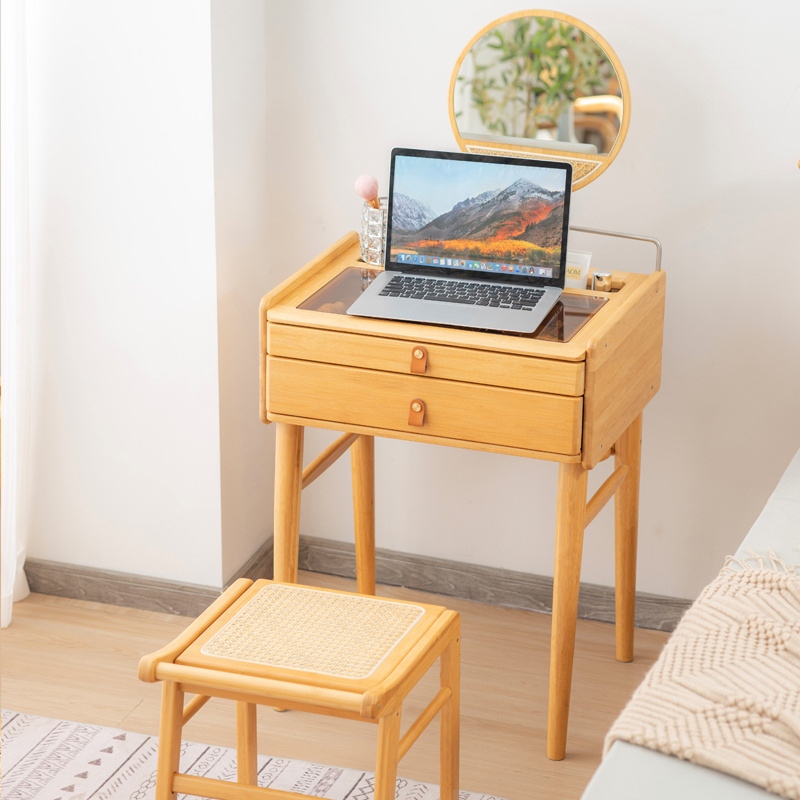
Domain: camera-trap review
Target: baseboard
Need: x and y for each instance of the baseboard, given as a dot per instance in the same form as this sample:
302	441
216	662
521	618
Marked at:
118	588
501	587
136	591
490	585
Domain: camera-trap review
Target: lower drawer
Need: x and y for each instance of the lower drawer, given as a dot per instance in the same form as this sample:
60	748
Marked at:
454	410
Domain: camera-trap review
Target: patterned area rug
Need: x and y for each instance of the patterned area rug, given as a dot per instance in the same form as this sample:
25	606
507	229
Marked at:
48	759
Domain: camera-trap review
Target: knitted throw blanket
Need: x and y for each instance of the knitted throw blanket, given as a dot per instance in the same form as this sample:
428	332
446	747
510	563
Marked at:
725	691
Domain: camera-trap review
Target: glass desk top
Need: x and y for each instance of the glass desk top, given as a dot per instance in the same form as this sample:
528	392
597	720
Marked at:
568	316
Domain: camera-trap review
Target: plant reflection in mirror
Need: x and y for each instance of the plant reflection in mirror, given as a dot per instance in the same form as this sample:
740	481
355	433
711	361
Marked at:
528	71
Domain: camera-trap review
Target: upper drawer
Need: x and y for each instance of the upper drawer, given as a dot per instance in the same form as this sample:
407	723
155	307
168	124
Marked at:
447	362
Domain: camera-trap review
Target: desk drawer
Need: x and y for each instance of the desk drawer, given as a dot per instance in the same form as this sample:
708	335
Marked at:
453	409
446	362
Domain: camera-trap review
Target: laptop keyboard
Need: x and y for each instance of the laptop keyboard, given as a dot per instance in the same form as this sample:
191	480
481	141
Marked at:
523	298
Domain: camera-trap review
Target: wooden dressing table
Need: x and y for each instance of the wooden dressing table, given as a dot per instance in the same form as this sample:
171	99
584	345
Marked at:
573	392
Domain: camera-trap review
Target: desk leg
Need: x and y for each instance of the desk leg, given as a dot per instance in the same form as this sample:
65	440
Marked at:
288	485
570	518
362	461
628	451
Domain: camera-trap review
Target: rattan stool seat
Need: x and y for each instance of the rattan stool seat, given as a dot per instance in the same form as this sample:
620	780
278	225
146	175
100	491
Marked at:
317	650
327	633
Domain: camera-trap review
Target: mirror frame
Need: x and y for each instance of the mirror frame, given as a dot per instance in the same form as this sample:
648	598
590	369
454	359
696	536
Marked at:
586	167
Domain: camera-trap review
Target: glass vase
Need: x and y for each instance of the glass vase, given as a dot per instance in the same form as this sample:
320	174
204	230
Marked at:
373	232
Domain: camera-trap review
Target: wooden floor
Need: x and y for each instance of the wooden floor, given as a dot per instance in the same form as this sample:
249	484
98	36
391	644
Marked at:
76	660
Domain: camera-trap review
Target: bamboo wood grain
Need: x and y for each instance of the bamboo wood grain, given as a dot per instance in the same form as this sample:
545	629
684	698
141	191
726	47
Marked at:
574	350
447	362
262	360
387	696
387	759
450	720
225	790
638	307
266	688
493	415
288	486
149	663
333	253
327	458
626	525
246	743
284	704
607	455
193	706
570	524
593	160
422	721
169	735
605	493
421	437
387	687
623	368
362	455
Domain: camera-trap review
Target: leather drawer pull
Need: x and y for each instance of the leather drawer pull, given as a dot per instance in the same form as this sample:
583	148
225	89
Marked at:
419	360
416	413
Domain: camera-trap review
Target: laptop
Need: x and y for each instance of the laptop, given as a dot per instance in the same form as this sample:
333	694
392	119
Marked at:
472	241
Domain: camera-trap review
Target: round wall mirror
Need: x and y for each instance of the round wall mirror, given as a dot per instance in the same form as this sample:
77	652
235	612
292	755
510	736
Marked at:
540	84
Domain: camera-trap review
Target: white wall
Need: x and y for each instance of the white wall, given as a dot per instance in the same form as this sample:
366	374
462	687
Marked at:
147	165
241	83
126	427
709	167
129	466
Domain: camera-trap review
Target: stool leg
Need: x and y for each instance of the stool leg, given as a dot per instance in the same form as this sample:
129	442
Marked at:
626	523
449	722
246	744
570	518
388	756
169	739
288	485
362	461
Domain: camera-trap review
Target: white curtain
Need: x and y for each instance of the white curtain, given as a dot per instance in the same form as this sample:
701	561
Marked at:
15	311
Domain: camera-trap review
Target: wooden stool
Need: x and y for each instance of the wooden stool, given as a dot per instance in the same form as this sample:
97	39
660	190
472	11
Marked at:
317	650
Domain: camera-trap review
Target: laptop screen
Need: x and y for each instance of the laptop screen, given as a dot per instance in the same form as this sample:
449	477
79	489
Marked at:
462	213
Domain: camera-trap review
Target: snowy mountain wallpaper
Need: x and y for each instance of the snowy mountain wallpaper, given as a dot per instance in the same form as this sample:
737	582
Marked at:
478	210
